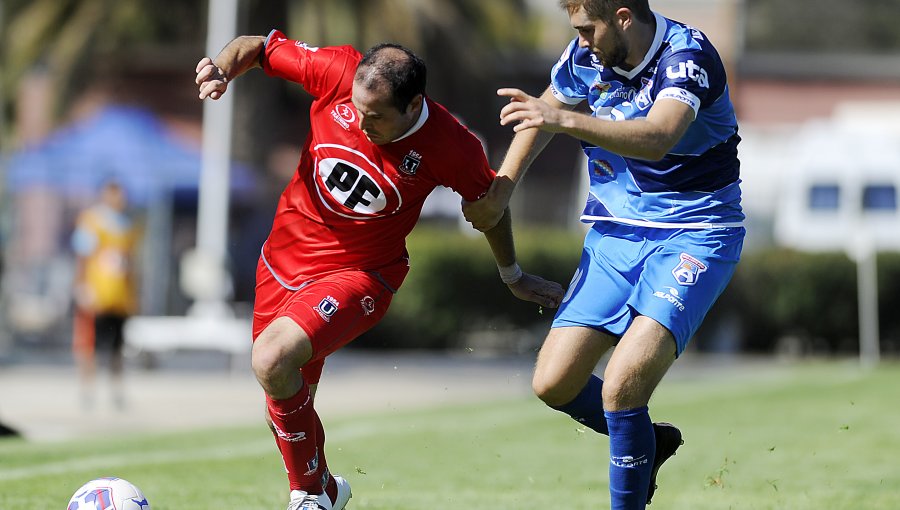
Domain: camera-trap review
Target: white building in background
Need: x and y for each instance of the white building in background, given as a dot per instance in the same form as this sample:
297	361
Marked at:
839	180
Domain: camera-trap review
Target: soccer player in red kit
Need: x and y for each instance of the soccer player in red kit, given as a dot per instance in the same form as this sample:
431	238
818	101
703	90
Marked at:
336	253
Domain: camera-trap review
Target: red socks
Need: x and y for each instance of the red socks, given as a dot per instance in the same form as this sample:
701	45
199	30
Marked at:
301	440
296	433
327	480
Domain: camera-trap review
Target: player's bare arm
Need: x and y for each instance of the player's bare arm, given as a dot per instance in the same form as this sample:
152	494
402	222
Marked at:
650	138
527	144
524	286
236	58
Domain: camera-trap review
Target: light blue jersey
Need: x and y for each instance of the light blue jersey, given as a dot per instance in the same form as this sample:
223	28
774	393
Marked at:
697	184
666	234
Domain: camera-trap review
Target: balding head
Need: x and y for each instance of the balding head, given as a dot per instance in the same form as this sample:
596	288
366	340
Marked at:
394	68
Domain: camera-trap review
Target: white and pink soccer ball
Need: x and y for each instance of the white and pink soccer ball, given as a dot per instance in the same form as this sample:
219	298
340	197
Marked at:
108	494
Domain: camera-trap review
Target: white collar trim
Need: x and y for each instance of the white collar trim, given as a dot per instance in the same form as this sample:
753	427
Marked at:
423	116
657	42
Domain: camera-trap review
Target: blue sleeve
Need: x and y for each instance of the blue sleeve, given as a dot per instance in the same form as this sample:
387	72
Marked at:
693	76
564	82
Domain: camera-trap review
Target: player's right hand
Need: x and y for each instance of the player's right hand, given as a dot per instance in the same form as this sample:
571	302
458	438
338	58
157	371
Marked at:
210	79
486	212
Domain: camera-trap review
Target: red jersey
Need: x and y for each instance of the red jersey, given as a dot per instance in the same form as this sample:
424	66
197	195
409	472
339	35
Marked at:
352	203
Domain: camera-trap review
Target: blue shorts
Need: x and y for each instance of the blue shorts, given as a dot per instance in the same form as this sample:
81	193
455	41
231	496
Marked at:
670	275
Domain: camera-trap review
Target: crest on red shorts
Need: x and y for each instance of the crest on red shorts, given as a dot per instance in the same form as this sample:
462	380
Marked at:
327	308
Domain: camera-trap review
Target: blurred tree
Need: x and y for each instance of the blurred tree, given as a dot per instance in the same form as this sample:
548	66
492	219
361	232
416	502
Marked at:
68	38
468	44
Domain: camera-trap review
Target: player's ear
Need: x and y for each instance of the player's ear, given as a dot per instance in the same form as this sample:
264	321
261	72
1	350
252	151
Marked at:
623	17
415	104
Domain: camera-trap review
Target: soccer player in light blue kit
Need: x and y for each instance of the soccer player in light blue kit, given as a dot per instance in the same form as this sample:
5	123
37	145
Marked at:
664	208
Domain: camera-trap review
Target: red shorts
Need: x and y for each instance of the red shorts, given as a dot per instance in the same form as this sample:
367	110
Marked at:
332	309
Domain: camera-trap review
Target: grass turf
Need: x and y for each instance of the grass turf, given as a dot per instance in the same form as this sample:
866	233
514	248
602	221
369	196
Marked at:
820	436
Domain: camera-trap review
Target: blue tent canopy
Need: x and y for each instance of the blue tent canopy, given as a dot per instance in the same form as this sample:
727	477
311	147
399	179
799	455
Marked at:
127	144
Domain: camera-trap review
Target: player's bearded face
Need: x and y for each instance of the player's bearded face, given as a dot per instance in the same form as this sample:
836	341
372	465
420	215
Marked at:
379	119
605	40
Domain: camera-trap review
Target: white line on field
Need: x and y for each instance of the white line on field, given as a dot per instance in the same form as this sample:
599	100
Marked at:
363	428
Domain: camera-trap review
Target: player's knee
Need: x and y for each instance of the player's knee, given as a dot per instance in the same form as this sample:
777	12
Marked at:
551	390
620	393
266	365
279	352
275	364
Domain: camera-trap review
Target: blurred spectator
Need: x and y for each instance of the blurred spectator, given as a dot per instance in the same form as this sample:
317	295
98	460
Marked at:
104	244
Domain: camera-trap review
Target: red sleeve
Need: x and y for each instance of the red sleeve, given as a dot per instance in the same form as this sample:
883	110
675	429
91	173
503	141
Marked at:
473	175
317	70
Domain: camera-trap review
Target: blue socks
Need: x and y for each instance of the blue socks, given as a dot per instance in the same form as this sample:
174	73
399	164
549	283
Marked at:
632	443
632	449
587	407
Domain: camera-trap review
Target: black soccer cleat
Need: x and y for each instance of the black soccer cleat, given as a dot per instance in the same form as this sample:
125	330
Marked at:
668	439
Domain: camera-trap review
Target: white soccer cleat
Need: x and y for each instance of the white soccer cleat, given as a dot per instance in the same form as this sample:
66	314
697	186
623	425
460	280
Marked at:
343	493
301	500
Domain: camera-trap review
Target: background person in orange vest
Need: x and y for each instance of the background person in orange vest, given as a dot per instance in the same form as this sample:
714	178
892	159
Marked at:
104	243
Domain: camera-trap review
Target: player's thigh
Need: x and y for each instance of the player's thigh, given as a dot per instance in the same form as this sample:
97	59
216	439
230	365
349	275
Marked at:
566	360
684	276
640	360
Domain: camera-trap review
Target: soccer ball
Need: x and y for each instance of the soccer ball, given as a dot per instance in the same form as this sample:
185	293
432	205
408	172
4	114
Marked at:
108	494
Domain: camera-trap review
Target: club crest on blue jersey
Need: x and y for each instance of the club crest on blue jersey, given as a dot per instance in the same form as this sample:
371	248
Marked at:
411	162
688	270
327	308
642	100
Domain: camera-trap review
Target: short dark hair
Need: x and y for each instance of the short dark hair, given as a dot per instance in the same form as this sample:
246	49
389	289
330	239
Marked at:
604	10
397	67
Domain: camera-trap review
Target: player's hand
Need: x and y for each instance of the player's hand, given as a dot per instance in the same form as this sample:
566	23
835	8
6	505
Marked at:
486	212
538	290
527	111
210	79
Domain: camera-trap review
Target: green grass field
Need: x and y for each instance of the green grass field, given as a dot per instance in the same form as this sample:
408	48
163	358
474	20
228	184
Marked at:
820	437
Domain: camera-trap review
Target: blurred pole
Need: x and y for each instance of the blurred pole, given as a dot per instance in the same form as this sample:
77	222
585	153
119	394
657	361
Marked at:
867	282
212	216
867	288
155	277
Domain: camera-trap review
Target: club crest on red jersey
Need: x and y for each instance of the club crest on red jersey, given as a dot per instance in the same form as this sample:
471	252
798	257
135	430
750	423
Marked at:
411	162
351	185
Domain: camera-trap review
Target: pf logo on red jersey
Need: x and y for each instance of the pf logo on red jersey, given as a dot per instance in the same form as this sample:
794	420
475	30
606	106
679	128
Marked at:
351	185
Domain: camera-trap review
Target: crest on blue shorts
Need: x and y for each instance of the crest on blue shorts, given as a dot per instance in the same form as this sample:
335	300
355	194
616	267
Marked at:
688	270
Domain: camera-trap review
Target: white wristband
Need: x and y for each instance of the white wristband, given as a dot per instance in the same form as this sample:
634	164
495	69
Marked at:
510	274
